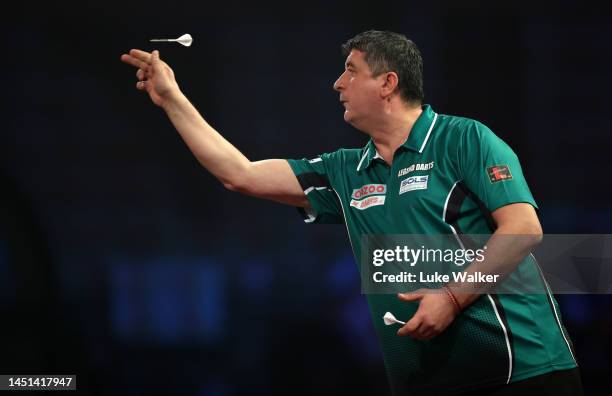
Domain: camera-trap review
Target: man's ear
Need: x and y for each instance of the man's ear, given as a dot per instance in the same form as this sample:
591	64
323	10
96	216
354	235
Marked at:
390	83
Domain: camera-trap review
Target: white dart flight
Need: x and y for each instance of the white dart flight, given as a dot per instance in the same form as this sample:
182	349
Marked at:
185	40
390	319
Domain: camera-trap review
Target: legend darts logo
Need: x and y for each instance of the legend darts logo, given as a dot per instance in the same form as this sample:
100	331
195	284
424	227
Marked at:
368	196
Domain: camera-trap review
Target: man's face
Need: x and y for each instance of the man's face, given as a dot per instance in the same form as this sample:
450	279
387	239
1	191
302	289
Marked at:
359	91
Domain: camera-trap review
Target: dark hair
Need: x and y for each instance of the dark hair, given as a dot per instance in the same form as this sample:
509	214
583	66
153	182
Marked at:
388	51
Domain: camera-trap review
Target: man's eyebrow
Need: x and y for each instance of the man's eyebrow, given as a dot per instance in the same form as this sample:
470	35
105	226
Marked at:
349	64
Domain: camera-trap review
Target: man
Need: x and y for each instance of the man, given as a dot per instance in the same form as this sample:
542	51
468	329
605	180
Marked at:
420	173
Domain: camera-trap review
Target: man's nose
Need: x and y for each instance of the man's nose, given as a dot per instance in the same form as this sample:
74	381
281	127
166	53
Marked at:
338	85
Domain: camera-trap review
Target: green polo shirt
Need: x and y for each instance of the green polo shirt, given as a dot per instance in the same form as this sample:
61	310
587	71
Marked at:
447	178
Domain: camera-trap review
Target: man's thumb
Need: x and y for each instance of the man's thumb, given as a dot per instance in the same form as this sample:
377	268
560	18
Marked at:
414	296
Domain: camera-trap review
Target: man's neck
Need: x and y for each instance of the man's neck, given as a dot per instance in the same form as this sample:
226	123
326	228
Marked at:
394	130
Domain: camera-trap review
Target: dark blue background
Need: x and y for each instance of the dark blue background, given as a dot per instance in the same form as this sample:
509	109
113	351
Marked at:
126	263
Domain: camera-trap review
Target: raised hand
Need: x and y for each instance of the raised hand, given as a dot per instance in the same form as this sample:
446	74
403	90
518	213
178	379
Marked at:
154	75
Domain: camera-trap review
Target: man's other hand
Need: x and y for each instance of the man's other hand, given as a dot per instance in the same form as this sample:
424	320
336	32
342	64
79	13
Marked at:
435	313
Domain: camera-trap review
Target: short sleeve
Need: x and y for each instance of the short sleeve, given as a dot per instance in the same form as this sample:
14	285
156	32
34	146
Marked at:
313	176
491	170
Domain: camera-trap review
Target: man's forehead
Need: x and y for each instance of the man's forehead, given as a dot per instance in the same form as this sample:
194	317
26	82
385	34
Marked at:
355	57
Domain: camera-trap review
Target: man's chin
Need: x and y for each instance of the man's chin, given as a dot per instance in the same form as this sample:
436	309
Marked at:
350	118
354	123
347	116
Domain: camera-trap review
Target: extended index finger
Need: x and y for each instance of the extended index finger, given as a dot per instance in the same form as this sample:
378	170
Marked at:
141	55
137	58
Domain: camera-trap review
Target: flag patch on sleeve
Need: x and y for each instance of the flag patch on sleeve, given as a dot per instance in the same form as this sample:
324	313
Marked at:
499	173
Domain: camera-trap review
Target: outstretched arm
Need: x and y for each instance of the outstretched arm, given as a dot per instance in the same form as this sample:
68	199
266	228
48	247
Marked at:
270	179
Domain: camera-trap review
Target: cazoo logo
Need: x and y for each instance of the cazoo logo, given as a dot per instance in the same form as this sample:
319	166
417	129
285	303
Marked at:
368	196
369	189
